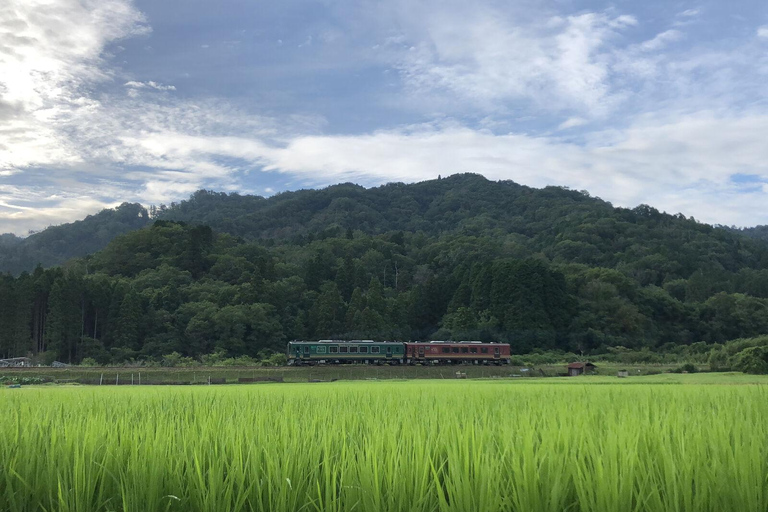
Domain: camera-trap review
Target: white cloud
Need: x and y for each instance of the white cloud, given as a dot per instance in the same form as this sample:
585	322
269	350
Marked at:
29	208
46	68
580	70
661	40
572	122
486	58
689	13
763	32
149	85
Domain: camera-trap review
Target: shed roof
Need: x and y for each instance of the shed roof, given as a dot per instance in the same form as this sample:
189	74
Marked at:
581	365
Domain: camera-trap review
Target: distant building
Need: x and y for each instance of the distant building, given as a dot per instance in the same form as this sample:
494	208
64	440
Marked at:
15	362
575	369
622	373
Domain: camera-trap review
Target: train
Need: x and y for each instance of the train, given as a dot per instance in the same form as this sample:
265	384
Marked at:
394	353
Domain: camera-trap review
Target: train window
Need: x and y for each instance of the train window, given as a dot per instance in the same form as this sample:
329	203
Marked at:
464	350
306	350
343	350
473	350
321	350
446	350
363	350
496	350
375	350
484	350
353	350
455	350
389	350
333	350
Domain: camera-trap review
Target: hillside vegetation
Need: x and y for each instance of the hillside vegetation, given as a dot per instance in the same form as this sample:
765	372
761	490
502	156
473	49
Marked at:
757	232
58	244
457	258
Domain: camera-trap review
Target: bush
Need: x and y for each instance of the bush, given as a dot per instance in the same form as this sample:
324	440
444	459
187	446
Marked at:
44	358
718	360
21	380
276	359
89	361
751	360
238	361
175	359
733	347
686	368
214	359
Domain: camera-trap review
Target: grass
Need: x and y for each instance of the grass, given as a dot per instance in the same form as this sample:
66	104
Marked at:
546	445
200	375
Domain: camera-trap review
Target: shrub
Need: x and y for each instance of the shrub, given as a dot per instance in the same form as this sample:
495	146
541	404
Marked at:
718	360
686	368
238	361
751	360
276	359
175	359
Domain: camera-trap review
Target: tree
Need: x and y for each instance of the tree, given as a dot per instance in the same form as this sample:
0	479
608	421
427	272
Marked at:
64	319
327	313
356	306
129	322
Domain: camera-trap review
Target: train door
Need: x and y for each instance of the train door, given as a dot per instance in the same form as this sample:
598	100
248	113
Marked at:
421	352
296	356
389	353
496	353
305	355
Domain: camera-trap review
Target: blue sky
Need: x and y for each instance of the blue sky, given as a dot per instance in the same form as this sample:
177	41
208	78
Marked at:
105	101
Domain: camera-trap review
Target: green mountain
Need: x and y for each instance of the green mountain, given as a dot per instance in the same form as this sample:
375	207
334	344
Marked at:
456	258
58	244
562	225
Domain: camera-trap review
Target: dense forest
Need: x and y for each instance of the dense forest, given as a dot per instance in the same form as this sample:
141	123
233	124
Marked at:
456	258
58	244
758	232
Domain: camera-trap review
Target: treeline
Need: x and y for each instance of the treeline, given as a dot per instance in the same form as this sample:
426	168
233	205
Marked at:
58	244
458	258
175	288
757	232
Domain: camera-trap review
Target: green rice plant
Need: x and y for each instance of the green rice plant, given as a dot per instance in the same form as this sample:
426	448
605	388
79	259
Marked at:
444	446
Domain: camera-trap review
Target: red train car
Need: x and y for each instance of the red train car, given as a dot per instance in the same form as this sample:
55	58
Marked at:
474	352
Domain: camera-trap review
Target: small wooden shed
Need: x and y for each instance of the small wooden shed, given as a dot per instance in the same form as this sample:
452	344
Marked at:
575	369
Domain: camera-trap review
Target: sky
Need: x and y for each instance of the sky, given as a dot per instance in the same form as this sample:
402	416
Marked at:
661	102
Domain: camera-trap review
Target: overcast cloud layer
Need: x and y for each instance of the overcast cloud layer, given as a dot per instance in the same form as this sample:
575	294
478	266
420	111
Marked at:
105	101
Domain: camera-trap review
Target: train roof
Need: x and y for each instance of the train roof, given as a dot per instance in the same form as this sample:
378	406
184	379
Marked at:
472	342
342	341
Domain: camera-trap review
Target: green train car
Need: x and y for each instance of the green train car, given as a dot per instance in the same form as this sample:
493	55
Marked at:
339	352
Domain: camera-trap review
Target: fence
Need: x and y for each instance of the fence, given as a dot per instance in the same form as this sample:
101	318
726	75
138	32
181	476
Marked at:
256	375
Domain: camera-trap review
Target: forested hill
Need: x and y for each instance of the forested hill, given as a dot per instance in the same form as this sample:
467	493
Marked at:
57	244
463	203
559	224
545	220
457	258
757	232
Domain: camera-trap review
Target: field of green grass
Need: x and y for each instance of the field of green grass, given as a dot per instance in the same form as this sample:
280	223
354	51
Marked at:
676	443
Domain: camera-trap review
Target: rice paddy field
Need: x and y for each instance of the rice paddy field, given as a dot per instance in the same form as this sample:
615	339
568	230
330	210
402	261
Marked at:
479	446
